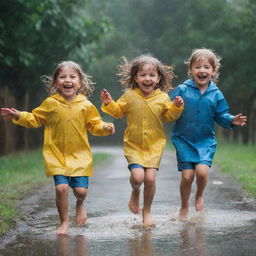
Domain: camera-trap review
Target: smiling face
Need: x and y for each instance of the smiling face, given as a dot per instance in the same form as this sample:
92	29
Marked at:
202	72
147	78
68	82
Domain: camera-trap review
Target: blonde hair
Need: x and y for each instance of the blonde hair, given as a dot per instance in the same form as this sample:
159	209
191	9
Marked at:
128	71
86	88
210	55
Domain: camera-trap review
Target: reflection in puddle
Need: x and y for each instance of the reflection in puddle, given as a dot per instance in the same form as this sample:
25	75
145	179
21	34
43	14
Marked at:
192	241
68	246
142	245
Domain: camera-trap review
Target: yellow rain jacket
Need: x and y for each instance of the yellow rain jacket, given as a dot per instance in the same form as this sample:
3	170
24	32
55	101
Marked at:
66	149
144	138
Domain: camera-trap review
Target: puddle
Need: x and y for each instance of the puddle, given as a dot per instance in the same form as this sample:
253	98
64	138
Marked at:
227	227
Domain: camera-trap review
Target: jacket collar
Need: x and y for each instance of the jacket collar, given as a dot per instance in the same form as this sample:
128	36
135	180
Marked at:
138	92
211	87
78	98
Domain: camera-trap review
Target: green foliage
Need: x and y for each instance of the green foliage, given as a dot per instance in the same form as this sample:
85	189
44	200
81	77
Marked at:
39	34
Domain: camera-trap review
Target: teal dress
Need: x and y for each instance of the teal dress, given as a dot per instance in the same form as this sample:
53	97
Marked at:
193	134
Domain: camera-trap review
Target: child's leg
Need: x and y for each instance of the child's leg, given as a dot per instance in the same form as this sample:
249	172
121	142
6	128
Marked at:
187	178
62	206
149	192
136	179
80	194
201	182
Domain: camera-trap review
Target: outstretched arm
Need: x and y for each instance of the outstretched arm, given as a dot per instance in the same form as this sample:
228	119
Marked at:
95	124
109	106
239	120
105	97
10	113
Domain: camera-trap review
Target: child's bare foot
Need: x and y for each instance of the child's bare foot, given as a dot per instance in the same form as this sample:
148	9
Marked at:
199	203
62	229
81	216
148	220
183	214
134	203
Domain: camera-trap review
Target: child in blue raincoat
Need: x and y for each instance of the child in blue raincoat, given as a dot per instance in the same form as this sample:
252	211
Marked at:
193	134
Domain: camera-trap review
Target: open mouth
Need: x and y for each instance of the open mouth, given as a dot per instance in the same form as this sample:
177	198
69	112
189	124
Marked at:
67	86
202	76
147	85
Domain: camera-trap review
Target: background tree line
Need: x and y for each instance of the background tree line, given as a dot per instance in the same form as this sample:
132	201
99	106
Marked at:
36	35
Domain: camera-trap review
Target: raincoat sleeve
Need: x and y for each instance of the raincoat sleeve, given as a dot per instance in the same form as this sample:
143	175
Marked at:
222	116
116	109
171	112
34	119
94	122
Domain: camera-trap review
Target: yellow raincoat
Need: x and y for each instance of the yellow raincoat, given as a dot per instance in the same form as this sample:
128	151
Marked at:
66	149
144	138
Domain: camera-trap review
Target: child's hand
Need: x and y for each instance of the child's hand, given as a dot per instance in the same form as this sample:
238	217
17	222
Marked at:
178	101
109	127
9	113
105	97
239	120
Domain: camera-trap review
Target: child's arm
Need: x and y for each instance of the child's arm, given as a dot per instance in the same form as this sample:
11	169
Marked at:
27	119
224	118
105	97
109	106
10	113
239	120
173	109
95	124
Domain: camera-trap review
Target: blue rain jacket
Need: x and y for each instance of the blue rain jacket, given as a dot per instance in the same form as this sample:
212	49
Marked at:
193	134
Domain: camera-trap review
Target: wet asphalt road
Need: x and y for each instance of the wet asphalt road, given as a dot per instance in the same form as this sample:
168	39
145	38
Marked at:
227	227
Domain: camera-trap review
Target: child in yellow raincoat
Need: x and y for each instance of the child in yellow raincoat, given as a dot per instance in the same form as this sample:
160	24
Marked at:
66	115
146	106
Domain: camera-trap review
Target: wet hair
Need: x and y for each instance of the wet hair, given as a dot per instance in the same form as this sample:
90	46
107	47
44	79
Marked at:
128	71
210	55
86	88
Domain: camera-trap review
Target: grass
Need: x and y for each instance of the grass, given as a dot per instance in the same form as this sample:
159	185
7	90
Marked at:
21	175
239	162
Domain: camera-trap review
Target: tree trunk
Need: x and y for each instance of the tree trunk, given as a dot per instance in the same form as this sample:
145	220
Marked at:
7	129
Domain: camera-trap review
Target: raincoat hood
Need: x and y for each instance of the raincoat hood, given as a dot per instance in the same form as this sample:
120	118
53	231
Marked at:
78	98
211	86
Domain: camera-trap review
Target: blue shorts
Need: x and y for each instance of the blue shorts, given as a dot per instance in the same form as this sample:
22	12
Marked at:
73	182
132	166
191	165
